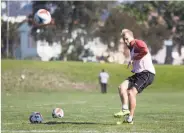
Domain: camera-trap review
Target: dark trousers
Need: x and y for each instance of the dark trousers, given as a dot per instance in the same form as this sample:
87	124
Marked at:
103	87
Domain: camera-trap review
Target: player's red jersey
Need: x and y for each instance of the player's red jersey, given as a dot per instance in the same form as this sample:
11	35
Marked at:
141	56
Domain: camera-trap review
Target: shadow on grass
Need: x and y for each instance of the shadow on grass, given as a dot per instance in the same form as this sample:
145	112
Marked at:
76	123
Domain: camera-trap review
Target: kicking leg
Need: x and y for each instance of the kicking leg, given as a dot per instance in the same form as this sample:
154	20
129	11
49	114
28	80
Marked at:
124	99
123	94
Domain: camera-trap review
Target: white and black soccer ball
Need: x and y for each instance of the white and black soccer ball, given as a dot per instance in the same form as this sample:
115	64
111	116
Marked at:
57	113
42	16
36	117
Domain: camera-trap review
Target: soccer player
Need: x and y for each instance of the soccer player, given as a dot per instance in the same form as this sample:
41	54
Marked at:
144	73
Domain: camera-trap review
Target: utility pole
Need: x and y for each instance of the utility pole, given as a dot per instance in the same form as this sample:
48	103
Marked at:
7	30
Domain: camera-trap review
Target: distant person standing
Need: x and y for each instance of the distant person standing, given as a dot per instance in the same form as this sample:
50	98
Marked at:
103	80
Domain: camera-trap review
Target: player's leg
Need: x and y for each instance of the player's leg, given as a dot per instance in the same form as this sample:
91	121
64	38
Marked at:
123	94
124	99
142	81
132	100
132	104
105	87
101	84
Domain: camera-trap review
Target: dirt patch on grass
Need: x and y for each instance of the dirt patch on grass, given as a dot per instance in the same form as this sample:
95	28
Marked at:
40	80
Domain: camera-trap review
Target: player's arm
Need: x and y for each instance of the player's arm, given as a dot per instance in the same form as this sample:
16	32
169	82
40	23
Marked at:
143	50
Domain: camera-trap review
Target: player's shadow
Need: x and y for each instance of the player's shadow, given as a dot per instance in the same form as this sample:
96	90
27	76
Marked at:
75	123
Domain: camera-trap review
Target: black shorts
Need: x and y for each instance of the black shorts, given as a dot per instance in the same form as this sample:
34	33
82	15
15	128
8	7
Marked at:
141	80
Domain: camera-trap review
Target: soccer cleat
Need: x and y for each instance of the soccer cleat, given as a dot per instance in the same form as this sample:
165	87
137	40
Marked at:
124	122
128	122
122	113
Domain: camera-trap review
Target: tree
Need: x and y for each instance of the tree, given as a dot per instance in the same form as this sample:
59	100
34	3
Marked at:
175	13
13	37
161	17
116	21
154	29
69	16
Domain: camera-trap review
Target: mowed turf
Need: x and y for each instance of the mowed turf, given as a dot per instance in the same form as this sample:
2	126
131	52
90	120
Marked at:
160	108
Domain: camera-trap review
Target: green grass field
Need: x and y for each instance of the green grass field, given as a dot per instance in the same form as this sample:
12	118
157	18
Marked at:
73	86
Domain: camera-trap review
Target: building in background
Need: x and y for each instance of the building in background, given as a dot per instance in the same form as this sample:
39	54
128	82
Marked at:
17	10
31	49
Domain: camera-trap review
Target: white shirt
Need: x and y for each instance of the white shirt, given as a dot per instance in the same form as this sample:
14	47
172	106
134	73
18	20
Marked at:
144	63
104	76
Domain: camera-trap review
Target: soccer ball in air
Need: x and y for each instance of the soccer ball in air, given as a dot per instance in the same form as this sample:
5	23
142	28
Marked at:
57	113
42	16
36	117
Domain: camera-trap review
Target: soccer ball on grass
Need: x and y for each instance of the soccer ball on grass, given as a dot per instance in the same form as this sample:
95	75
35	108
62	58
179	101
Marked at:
36	117
57	113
